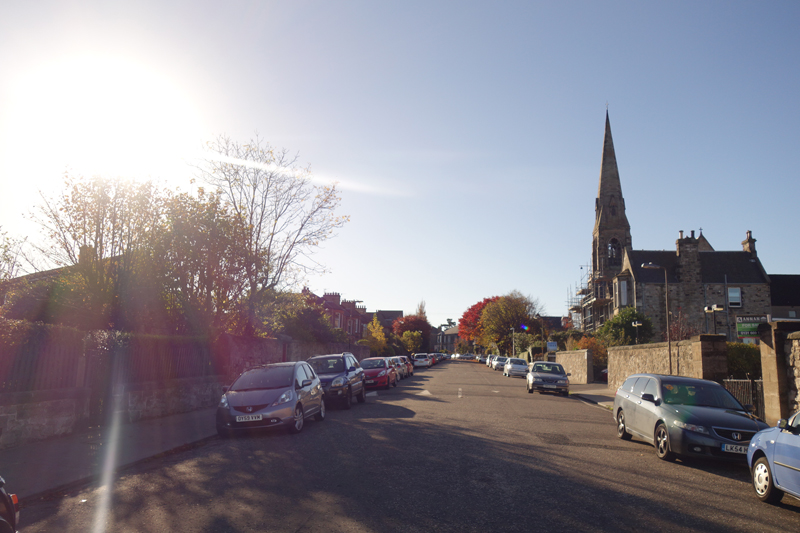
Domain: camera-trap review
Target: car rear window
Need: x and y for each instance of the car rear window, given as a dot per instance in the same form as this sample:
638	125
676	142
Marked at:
327	365
517	362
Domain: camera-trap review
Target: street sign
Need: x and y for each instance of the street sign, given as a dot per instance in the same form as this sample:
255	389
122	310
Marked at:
552	346
747	325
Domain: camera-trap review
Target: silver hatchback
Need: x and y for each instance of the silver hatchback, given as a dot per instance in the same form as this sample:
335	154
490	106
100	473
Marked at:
276	395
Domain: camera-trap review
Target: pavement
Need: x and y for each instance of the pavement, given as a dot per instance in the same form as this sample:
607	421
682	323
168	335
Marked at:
37	469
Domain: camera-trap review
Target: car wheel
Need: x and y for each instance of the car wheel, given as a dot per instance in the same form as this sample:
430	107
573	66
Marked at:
662	444
347	401
362	396
762	482
298	420
320	416
388	384
622	429
565	393
395	383
528	386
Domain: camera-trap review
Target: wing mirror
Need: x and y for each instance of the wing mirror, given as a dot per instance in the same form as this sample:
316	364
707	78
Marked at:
351	369
306	383
648	398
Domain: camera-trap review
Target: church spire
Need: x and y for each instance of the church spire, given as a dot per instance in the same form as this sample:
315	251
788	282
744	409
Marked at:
609	173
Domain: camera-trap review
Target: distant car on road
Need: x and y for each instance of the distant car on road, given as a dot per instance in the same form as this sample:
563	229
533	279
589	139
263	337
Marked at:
548	377
499	362
774	460
422	360
683	416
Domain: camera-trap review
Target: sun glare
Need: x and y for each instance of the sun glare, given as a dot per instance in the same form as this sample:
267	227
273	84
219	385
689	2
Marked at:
98	115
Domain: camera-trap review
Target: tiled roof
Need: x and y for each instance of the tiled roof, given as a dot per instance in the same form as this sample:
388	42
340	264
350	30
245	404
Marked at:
739	267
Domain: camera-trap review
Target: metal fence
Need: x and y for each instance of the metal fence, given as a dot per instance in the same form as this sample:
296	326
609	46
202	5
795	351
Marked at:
748	392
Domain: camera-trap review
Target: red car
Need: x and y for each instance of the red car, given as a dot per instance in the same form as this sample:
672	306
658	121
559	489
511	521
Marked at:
379	372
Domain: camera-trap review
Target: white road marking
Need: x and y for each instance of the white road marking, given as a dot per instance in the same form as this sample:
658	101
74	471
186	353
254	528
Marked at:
373	393
424	393
496	391
460	395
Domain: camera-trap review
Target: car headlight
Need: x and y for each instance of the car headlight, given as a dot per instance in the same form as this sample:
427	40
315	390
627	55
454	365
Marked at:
383	373
562	381
285	397
690	427
338	382
538	380
223	402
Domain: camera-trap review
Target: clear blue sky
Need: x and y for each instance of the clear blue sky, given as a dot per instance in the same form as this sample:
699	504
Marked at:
466	135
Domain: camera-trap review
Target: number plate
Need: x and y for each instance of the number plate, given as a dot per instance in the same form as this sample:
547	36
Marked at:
734	448
370	381
549	386
248	418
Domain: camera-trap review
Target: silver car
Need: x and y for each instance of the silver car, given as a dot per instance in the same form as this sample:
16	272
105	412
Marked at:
515	367
276	395
548	377
499	362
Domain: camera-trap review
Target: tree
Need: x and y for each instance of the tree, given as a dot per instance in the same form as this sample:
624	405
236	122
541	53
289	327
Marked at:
469	327
510	312
412	341
374	337
680	328
286	217
9	256
599	350
619	331
414	323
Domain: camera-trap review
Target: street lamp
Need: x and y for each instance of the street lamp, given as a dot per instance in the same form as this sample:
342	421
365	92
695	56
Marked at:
513	344
636	324
654	266
713	310
541	321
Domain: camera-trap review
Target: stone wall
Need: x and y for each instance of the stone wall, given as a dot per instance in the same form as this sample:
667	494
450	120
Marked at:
780	368
153	400
704	357
793	373
579	364
32	416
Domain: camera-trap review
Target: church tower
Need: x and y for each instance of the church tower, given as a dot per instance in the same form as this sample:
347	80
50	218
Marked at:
612	233
610	238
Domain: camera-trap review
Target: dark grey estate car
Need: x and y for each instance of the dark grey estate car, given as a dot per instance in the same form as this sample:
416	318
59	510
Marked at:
280	394
684	416
342	377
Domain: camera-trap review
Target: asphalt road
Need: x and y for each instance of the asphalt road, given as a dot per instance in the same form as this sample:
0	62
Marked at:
456	448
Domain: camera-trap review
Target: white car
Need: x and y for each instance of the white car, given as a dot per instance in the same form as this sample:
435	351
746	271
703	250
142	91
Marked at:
515	367
499	362
422	359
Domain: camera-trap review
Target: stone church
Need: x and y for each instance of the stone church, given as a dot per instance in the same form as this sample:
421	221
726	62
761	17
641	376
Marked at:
697	276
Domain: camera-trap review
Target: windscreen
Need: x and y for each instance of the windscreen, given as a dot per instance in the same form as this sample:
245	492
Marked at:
551	368
272	377
327	365
373	363
698	394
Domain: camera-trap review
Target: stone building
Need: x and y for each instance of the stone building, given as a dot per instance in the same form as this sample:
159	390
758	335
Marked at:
697	275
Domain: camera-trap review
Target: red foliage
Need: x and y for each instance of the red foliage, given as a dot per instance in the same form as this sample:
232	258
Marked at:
469	323
413	323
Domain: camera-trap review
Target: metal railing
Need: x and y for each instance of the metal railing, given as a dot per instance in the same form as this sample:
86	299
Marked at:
748	392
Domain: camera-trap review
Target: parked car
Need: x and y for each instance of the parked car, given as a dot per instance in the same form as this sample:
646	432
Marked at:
9	509
547	377
399	367
774	460
482	359
490	360
341	376
499	362
279	394
379	372
515	367
422	360
683	416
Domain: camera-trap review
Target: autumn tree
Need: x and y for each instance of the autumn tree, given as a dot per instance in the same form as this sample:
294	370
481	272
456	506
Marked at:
285	215
374	337
412	341
599	350
681	328
9	256
414	323
508	313
469	327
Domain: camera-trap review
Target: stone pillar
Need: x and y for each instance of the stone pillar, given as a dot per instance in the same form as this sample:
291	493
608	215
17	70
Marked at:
774	336
710	357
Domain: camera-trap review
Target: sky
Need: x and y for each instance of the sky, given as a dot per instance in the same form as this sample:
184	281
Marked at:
465	136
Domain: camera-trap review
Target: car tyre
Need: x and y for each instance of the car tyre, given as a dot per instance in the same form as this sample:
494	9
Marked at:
662	444
298	420
320	416
347	401
395	383
622	429
362	396
528	386
765	489
388	383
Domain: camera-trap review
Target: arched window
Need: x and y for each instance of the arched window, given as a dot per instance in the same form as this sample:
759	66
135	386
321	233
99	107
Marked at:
614	253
